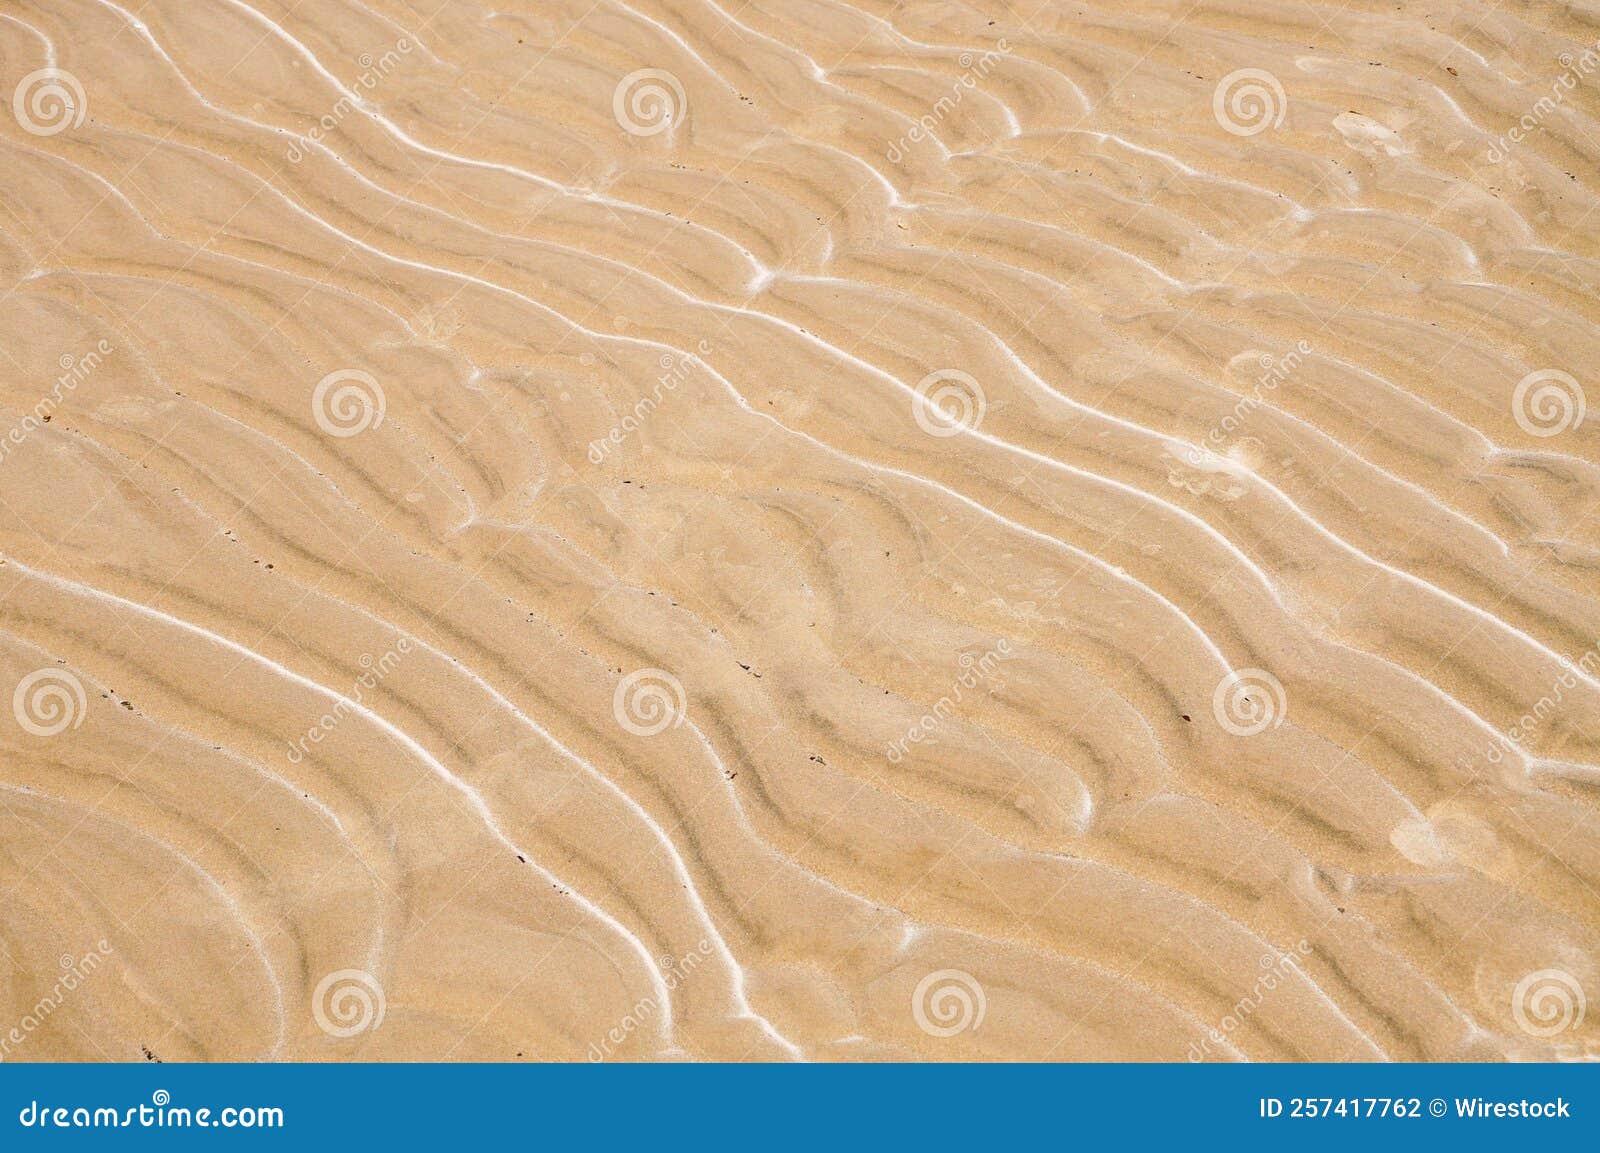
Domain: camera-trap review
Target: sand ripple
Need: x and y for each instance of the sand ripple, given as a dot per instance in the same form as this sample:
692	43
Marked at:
670	529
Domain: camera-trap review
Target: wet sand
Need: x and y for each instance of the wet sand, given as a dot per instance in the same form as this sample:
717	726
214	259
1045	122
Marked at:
799	530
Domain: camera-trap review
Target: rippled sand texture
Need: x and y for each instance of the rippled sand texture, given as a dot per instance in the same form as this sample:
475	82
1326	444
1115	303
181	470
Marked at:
794	529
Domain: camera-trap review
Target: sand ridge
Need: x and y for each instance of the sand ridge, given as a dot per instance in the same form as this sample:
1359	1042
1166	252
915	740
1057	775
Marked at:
678	530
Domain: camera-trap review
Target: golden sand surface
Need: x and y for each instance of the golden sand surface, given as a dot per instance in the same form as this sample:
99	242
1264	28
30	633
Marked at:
799	529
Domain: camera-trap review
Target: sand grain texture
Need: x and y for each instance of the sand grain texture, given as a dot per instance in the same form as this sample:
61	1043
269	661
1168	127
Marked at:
799	530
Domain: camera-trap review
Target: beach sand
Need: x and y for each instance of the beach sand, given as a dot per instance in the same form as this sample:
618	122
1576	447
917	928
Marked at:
680	529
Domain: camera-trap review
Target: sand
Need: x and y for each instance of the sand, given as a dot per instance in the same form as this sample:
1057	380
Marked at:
676	529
